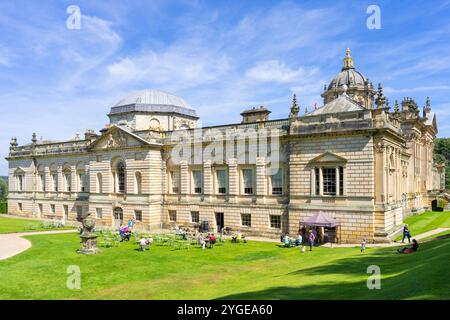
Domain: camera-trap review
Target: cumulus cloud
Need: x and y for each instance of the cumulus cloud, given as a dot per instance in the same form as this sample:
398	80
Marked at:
277	71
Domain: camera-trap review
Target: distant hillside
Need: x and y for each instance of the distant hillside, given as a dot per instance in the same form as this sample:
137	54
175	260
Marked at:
4	178
442	155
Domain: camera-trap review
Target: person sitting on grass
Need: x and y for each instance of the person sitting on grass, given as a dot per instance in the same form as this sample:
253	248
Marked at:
282	237
298	241
412	249
237	237
201	241
287	241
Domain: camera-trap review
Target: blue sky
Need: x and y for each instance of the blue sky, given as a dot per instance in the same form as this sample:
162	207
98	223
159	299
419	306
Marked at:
220	56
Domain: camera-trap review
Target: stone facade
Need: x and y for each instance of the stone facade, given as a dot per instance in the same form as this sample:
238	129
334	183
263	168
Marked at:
362	164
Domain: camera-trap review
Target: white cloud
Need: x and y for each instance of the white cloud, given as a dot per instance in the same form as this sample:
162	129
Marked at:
276	71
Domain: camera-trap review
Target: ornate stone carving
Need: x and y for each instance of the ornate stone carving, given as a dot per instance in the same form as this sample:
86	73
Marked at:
117	140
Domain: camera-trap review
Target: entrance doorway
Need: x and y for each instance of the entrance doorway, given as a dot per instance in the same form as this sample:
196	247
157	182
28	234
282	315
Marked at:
220	221
118	217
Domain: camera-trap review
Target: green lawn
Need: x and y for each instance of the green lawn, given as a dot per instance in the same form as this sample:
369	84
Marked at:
255	270
11	225
427	221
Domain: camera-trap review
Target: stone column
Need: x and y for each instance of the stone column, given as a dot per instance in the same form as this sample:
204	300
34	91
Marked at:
47	179
233	178
75	187
60	179
261	176
313	182
384	196
185	184
207	178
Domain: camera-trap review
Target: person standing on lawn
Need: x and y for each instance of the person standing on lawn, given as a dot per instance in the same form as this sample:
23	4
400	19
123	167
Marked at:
311	239
406	234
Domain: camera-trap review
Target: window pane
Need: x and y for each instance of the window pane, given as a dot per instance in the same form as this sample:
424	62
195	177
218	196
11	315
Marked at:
172	216
317	172
277	182
198	181
121	175
222	181
247	175
341	181
175	178
138	215
275	222
246	220
329	181
195	217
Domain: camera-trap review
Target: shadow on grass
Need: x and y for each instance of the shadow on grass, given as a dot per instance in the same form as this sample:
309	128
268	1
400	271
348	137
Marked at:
422	275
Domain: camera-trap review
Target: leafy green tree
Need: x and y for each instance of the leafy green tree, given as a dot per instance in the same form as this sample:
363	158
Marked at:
3	190
442	155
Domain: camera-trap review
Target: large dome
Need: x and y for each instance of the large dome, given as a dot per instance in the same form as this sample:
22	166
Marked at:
151	100
348	75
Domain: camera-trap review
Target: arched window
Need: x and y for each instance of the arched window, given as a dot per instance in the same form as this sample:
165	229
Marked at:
67	174
121	177
138	183
99	183
20	179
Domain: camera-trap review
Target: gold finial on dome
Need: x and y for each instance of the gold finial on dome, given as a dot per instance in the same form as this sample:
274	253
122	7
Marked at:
348	60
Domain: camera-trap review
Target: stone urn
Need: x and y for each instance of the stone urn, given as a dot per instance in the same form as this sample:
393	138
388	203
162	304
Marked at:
88	237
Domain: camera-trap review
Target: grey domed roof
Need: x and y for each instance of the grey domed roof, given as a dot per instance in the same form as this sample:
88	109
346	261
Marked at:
348	75
151	100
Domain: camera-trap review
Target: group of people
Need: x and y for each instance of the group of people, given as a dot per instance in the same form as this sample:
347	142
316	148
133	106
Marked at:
210	238
300	240
126	231
145	242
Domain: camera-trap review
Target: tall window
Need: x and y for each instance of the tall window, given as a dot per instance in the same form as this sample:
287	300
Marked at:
20	180
99	183
197	175
332	182
121	177
67	181
329	181
317	174
277	182
341	181
195	217
41	208
247	175
52	209
138	215
138	183
221	181
175	181
82	182
172	216
42	182
99	213
55	181
66	212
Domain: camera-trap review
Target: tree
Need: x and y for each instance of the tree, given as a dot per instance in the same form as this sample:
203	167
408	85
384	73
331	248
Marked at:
442	155
3	190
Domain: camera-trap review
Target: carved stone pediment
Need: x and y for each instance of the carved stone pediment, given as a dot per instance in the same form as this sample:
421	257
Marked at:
116	138
328	157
